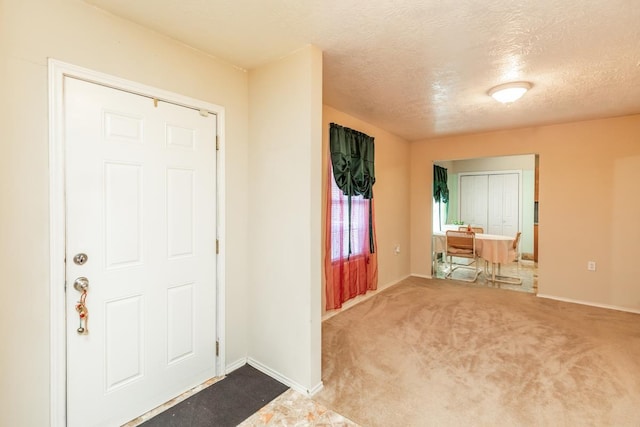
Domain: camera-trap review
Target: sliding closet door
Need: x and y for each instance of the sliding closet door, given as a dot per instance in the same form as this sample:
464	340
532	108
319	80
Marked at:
491	201
503	204
473	200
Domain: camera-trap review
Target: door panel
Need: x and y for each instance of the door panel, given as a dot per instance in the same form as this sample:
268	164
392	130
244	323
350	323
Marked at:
123	211
504	204
473	200
140	188
495	204
511	205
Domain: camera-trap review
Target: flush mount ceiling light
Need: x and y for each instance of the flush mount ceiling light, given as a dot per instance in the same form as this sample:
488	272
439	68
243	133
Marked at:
509	92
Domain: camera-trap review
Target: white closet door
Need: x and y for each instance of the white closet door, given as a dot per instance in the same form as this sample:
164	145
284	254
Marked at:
473	200
503	204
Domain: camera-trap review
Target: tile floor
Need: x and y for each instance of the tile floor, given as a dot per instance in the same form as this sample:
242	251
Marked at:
294	409
525	269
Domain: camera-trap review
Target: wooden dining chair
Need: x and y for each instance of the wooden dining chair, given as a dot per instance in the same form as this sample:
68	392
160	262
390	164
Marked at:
461	244
477	230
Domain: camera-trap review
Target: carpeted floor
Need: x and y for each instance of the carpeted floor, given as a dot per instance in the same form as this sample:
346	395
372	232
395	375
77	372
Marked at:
439	353
224	404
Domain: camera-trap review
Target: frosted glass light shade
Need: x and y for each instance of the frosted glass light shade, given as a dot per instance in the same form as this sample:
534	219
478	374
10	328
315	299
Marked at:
509	92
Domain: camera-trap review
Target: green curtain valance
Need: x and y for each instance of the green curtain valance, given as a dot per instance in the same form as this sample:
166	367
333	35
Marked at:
440	189
352	160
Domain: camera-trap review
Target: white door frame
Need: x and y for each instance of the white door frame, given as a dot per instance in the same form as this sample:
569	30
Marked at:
57	72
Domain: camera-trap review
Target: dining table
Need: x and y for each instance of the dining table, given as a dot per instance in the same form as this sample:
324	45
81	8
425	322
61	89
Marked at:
493	248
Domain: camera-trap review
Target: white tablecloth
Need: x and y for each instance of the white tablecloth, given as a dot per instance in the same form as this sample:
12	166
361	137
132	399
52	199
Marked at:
491	247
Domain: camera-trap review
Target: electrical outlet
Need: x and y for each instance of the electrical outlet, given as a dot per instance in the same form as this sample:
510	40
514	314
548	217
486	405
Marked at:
396	249
591	265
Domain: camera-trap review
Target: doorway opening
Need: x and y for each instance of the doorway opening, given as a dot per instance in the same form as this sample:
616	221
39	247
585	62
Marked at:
499	196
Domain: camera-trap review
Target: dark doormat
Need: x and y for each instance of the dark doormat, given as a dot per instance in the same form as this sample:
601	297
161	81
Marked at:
226	403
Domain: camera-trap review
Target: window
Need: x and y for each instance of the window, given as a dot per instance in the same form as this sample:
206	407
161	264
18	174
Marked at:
439	215
349	273
340	224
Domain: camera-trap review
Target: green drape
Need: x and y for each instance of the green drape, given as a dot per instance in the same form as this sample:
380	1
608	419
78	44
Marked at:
352	159
440	189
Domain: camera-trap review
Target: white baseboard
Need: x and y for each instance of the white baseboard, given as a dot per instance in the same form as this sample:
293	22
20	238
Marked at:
235	365
284	379
315	389
422	276
592	304
357	300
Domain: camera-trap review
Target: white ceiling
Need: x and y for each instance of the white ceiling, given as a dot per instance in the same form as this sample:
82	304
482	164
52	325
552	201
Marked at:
422	68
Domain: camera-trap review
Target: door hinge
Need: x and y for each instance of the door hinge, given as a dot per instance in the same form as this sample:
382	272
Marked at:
217	348
217	246
217	143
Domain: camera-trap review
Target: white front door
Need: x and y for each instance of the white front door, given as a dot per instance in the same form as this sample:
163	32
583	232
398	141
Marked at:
141	204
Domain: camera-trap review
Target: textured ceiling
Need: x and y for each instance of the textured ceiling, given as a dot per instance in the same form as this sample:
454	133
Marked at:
422	68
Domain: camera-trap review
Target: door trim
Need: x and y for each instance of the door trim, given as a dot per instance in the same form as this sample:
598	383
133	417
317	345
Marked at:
57	72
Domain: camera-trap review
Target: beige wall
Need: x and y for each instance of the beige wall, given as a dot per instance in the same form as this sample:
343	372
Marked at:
284	216
589	203
390	192
72	31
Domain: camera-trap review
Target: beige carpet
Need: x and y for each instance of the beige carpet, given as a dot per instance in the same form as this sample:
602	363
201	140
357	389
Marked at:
439	353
